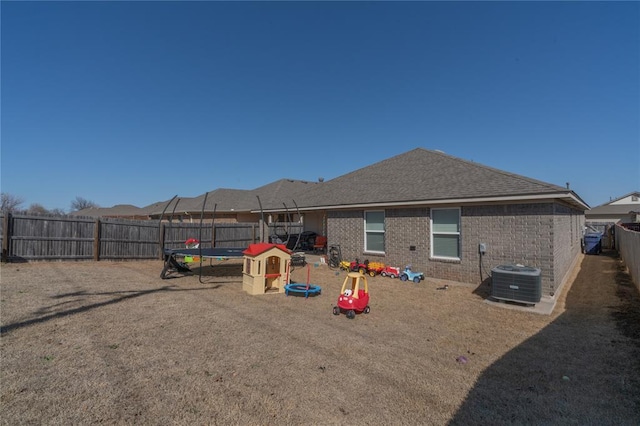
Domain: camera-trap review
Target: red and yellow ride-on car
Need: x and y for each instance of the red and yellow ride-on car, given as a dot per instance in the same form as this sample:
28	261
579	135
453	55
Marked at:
354	296
357	266
345	265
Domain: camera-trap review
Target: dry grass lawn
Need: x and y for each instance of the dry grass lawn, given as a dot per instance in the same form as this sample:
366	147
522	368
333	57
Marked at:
112	343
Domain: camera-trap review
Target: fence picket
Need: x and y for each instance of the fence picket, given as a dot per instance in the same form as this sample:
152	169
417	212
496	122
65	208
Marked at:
49	237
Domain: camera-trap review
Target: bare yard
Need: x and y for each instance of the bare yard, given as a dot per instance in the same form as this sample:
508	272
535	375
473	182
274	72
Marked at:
103	342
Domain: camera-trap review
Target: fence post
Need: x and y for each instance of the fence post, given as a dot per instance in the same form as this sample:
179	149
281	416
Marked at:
96	240
6	236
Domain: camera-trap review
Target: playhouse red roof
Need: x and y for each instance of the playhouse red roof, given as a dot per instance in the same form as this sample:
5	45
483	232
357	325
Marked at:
259	248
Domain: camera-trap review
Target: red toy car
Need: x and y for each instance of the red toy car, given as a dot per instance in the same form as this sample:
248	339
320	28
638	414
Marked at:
354	297
390	271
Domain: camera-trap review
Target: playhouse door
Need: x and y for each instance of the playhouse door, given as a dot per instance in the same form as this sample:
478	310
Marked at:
272	273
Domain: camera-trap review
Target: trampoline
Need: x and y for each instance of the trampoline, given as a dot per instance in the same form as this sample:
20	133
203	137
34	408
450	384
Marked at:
172	264
300	289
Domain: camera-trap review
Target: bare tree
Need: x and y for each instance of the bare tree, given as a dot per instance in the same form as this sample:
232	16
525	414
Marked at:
10	203
36	208
80	203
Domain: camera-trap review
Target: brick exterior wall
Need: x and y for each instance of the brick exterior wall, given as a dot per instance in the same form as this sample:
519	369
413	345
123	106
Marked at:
541	235
346	228
568	226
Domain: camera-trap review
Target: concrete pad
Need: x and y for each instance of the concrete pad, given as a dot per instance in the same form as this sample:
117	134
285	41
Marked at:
544	307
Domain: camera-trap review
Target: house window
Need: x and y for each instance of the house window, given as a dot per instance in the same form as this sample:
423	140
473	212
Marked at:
374	231
445	233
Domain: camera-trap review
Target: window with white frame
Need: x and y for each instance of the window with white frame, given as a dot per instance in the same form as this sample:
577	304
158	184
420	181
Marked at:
445	233
374	231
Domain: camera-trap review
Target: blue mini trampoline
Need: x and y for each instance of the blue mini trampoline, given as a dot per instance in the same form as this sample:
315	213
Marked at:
300	289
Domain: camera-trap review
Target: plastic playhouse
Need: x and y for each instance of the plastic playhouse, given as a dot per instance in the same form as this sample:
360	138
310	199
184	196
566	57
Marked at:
354	296
266	268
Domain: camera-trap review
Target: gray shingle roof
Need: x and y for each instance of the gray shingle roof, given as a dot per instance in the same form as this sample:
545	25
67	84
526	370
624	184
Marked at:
284	192
120	210
226	200
416	176
636	193
423	175
614	209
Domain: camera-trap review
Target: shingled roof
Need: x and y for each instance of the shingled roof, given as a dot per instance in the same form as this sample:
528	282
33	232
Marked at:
225	200
425	176
419	176
120	210
613	208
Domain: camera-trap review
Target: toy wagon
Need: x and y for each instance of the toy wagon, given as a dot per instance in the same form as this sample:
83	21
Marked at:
374	268
366	267
354	296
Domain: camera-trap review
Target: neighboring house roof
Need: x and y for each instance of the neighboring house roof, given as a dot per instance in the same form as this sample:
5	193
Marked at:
618	201
622	208
630	196
423	176
615	209
120	210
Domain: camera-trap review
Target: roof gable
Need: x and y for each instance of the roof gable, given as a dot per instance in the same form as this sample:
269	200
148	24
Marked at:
632	198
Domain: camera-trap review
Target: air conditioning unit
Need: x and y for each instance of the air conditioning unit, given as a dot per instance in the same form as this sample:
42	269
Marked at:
516	283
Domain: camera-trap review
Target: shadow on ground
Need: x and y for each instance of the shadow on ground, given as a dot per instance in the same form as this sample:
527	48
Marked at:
583	368
221	270
85	301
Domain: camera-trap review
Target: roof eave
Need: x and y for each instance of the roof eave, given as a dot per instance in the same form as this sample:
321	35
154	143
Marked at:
569	197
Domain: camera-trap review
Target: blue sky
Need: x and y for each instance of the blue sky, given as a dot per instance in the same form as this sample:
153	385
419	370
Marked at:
135	102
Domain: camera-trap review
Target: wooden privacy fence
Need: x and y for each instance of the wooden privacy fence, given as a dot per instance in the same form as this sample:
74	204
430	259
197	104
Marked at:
50	237
627	238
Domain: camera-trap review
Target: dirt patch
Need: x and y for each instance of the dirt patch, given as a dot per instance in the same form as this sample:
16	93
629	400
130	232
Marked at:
112	342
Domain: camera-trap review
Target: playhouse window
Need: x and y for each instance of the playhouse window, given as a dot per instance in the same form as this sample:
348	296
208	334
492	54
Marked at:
374	231
445	233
